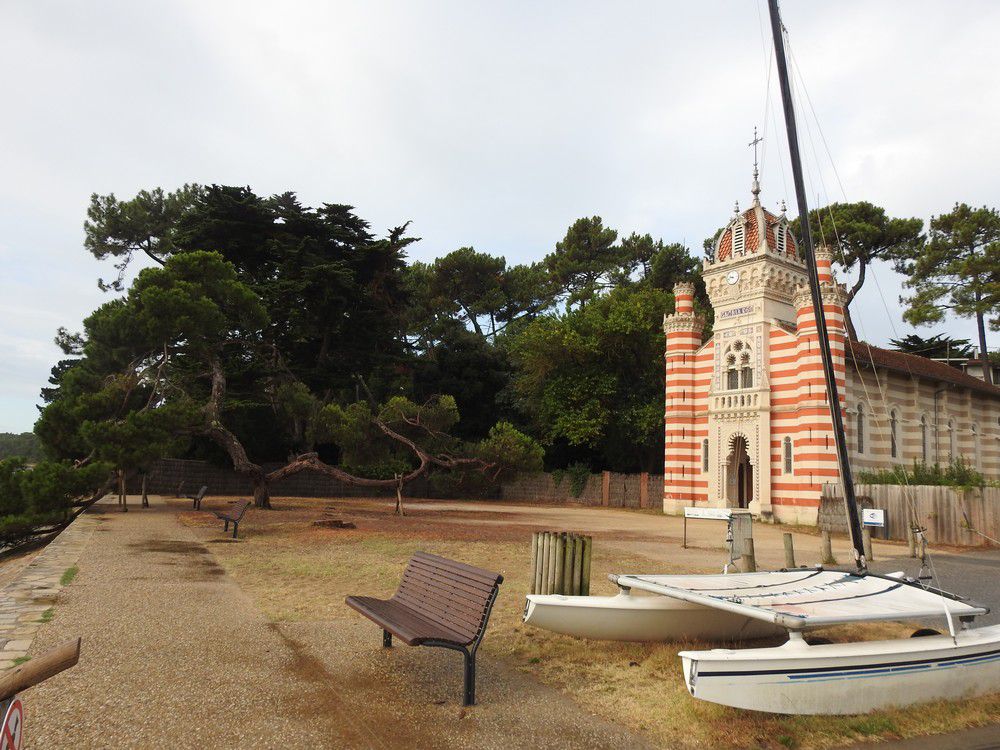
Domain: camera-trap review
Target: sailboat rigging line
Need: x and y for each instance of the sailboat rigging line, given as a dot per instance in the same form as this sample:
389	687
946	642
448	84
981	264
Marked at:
848	484
797	70
927	560
768	108
833	396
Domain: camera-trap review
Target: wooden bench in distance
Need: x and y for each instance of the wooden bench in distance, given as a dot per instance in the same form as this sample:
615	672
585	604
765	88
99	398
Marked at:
196	499
233	515
441	603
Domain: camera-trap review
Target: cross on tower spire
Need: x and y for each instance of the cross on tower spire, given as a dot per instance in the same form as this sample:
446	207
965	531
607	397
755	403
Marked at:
755	189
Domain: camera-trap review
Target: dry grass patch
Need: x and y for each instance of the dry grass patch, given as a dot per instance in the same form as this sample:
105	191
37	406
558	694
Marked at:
296	571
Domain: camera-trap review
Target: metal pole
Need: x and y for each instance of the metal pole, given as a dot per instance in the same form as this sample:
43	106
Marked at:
853	515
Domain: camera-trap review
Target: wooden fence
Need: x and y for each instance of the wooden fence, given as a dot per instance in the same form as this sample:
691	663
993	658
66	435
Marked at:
950	515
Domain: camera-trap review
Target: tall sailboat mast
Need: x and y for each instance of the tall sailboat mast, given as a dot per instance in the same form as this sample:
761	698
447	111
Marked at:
850	500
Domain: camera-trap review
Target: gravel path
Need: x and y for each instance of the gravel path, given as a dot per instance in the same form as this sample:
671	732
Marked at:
176	655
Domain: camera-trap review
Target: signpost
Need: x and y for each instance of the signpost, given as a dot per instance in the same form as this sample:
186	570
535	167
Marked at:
720	514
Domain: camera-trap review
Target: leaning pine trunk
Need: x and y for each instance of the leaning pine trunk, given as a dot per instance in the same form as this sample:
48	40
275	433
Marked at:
145	495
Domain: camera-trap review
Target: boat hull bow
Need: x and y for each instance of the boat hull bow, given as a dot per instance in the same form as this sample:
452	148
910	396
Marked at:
847	678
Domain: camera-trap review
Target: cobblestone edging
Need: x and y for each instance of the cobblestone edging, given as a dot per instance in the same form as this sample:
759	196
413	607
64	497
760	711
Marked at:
36	588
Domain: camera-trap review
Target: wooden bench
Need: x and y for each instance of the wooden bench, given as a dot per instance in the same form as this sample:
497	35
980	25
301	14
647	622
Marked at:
198	498
233	515
441	603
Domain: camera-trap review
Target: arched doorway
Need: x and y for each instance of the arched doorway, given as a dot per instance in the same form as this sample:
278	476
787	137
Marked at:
739	471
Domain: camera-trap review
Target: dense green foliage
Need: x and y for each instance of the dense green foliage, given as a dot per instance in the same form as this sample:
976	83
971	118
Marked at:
958	474
938	346
592	379
861	233
25	444
958	270
33	498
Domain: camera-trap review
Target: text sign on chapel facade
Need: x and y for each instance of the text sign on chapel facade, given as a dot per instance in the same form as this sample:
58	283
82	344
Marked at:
736	311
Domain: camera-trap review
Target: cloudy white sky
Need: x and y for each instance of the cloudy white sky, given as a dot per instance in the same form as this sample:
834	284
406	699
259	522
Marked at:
486	124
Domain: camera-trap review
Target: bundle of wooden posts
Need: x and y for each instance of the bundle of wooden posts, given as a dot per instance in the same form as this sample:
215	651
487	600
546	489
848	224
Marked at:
560	563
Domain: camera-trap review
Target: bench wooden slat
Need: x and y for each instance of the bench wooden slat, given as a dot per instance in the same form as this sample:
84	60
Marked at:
440	578
409	626
419	598
435	585
486	576
462	611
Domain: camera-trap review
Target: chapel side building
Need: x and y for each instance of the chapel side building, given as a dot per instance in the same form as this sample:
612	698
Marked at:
746	420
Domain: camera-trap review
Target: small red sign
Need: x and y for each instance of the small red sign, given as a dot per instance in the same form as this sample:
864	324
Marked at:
13	726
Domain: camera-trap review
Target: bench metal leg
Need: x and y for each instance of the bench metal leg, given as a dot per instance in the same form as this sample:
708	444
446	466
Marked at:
469	694
386	639
236	526
225	526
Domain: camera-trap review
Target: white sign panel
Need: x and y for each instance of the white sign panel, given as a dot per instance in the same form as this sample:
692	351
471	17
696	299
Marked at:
714	514
873	517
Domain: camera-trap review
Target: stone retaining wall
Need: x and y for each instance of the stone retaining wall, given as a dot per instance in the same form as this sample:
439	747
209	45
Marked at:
608	489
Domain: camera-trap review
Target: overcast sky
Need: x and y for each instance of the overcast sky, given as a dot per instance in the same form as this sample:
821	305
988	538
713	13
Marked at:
486	124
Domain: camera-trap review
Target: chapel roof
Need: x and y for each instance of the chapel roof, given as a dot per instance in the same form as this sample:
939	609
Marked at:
760	229
866	355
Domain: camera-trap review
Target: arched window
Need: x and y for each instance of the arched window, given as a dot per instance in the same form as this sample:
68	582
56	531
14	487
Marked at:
893	434
861	428
739	239
733	378
923	439
976	452
951	441
788	455
739	366
746	371
704	455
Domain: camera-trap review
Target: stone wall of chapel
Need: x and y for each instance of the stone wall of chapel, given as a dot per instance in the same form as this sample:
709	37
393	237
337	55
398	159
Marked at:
960	419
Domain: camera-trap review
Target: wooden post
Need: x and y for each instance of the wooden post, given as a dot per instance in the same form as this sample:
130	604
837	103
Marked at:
866	539
827	549
644	489
543	565
749	560
560	562
534	564
789	551
553	547
588	544
911	540
567	584
578	566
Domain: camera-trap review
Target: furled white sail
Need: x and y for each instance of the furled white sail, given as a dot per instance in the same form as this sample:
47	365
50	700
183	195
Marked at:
805	599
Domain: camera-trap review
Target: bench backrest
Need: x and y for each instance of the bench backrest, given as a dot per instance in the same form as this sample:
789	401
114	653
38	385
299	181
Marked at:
452	594
239	508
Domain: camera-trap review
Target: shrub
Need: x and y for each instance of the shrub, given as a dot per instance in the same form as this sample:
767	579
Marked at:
958	474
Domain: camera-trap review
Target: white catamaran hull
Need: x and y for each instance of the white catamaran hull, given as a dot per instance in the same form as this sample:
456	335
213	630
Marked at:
847	678
626	617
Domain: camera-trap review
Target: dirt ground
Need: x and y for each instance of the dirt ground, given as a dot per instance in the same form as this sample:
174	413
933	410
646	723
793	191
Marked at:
299	574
